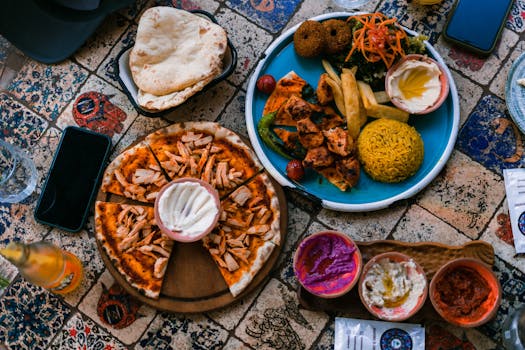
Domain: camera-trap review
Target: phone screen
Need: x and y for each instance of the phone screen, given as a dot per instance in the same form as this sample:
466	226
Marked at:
477	23
71	182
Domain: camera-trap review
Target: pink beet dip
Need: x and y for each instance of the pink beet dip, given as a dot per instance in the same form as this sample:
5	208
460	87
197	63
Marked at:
327	264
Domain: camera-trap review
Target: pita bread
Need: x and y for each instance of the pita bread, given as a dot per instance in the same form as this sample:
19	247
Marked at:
174	50
159	103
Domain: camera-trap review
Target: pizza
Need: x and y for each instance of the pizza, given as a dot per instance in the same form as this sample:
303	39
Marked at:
134	174
134	243
249	227
204	150
247	233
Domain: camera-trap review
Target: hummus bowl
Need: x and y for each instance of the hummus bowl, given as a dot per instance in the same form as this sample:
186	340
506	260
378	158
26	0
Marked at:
393	287
465	292
187	209
327	264
417	84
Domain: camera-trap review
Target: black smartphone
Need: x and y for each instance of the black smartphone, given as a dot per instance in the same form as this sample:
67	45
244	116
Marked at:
477	24
73	179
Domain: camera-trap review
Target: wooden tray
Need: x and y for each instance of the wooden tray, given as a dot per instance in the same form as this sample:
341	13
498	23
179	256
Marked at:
430	255
193	282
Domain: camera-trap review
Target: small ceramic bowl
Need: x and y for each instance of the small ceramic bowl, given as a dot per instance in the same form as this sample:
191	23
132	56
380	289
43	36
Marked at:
186	209
483	310
372	282
443	78
327	264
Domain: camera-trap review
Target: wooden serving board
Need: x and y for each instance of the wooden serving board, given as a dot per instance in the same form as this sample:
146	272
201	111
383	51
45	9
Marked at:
193	282
430	255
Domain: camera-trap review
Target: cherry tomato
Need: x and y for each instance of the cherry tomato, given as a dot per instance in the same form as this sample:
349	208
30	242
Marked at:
266	84
295	170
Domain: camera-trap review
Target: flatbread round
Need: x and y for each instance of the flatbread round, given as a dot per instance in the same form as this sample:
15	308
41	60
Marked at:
175	49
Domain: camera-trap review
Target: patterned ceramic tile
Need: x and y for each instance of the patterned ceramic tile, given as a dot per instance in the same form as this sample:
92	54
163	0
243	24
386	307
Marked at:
499	234
18	124
249	40
8	273
469	95
30	316
141	127
47	89
233	116
93	52
127	335
206	5
498	84
364	226
513	296
490	137
517	14
271	14
298	220
418	225
235	344
85	248
326	341
426	20
204	106
465	195
481	70
286	271
230	316
276	322
108	68
458	338
82	333
182	332
100	107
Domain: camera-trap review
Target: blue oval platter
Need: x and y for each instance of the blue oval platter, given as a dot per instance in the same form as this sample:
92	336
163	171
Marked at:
438	129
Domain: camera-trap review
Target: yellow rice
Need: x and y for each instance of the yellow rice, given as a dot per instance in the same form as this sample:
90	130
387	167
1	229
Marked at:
389	150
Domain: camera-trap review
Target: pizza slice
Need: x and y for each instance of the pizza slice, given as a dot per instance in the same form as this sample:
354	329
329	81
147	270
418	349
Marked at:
204	150
247	233
134	243
134	174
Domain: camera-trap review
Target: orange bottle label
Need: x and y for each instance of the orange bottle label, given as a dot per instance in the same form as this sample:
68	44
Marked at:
71	278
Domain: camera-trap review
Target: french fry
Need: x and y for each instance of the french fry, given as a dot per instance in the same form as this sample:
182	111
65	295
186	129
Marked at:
375	110
351	102
338	95
331	72
383	111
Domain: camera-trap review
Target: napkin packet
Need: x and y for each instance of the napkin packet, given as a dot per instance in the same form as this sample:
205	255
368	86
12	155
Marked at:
515	189
355	334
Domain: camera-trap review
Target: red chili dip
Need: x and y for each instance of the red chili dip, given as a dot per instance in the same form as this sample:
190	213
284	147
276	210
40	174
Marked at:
461	292
326	264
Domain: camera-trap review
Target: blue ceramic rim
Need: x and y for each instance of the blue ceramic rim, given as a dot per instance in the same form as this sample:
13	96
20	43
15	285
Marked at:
340	206
511	103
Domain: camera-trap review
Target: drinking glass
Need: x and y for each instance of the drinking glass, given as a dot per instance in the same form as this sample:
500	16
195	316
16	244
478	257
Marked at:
18	174
350	4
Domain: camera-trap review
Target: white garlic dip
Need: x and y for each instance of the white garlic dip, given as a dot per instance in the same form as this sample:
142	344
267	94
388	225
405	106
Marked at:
187	208
391	285
415	84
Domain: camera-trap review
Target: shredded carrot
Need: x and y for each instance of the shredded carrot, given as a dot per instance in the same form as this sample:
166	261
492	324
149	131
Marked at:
379	38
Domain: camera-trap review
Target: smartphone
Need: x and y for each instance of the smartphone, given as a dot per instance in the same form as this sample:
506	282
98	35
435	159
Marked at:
476	25
73	179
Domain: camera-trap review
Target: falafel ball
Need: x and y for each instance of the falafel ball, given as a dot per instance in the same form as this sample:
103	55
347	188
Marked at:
338	36
309	39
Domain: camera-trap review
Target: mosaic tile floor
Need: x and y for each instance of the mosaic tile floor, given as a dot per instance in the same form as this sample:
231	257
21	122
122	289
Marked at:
466	201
